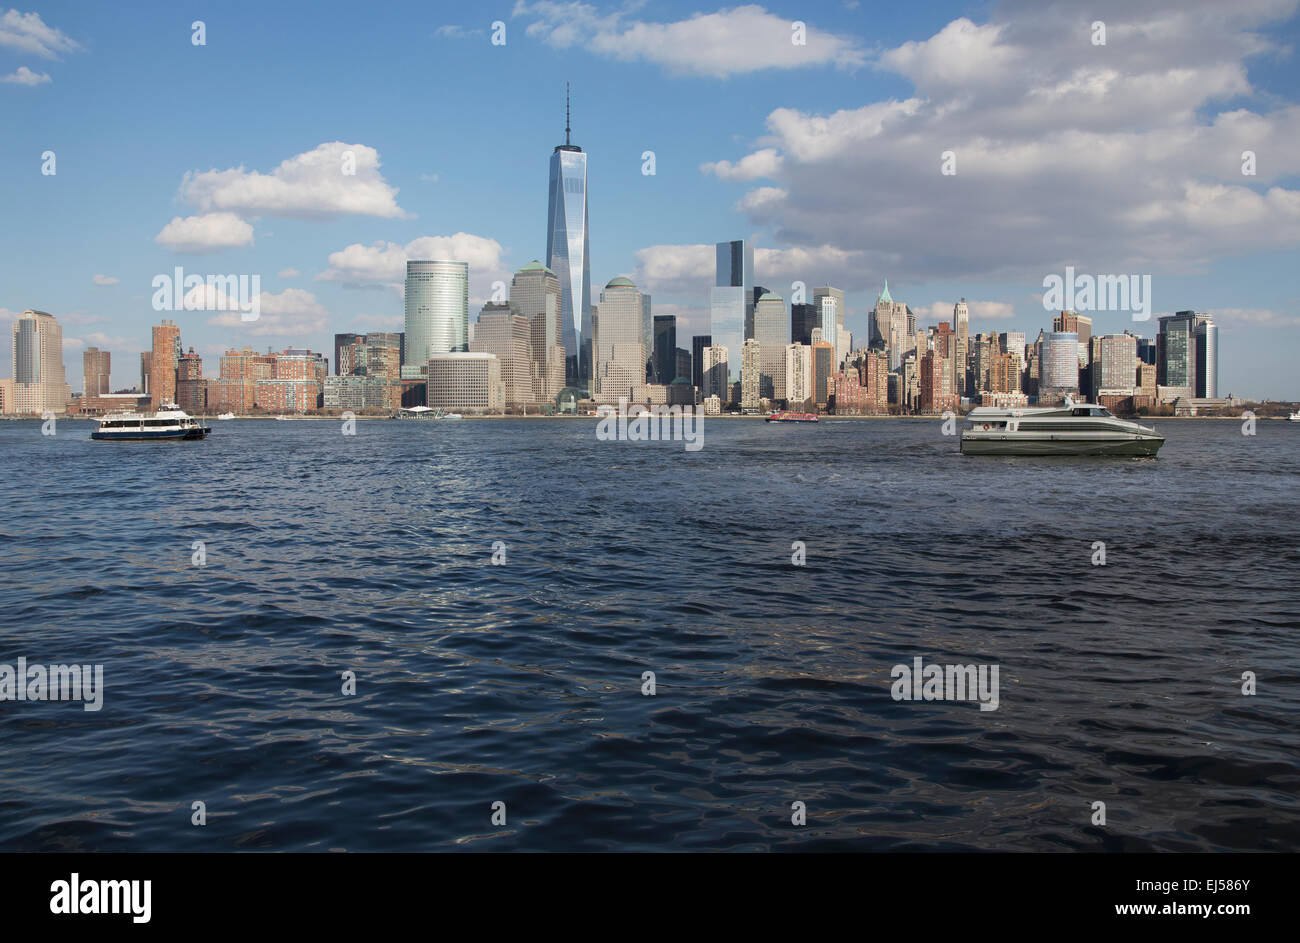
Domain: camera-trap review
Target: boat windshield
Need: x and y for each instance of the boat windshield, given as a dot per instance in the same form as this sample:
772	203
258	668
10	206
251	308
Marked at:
1091	411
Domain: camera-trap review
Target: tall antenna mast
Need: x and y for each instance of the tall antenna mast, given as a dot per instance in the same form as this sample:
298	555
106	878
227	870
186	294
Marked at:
566	114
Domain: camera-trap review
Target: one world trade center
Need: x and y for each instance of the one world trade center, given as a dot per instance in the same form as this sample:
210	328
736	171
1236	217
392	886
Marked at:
568	253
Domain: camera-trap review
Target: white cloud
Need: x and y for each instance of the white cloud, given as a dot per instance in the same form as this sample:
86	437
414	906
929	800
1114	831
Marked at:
1266	317
210	232
312	185
288	273
764	163
737	41
29	33
292	313
383	322
1112	158
979	311
384	263
25	76
104	281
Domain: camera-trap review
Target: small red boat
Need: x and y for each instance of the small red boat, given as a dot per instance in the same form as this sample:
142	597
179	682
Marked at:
784	416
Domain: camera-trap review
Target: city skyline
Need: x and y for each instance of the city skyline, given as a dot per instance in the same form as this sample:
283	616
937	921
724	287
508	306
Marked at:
716	179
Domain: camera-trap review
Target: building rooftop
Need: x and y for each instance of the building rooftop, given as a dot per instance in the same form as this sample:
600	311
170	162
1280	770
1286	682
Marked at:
621	282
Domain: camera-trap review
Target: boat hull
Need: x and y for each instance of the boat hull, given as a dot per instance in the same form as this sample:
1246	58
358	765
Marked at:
177	434
1059	444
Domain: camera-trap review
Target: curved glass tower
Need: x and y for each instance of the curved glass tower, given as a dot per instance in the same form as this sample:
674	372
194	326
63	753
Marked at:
568	253
437	310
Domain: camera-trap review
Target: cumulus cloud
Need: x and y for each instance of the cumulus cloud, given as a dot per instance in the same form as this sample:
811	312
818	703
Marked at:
384	263
1241	317
104	281
729	42
1111	158
207	233
288	273
27	32
764	163
979	311
25	76
292	313
316	184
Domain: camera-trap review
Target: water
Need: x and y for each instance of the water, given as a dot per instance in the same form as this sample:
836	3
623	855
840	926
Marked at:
522	683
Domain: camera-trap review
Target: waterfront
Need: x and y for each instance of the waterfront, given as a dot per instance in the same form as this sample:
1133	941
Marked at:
522	683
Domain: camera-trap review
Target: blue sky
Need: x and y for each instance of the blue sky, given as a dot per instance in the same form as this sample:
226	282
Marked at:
1122	158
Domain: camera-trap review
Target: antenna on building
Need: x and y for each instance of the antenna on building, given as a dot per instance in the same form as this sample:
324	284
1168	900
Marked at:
566	114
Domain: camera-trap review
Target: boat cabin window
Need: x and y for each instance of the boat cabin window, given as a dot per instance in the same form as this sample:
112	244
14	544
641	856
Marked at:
1090	411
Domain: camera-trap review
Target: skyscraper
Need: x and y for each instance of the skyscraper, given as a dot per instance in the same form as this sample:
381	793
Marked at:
39	383
162	364
1176	354
437	311
699	343
568	251
96	367
504	332
665	347
770	333
620	355
961	327
648	335
826	291
731	300
803	318
1059	370
1206	334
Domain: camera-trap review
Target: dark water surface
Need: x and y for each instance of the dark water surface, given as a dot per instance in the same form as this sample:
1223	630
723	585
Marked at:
522	683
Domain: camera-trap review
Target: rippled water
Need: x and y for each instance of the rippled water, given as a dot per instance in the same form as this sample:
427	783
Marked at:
521	683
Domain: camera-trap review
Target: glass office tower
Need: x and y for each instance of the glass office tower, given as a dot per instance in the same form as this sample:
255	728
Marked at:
568	253
731	301
437	311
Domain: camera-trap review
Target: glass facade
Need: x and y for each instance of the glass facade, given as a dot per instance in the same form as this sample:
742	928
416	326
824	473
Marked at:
568	255
1207	358
437	309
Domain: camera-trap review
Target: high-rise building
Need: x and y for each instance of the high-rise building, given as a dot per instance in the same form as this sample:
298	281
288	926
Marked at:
535	293
191	388
162	365
648	336
749	375
823	369
39	382
826	291
1059	366
798	374
1114	365
890	328
620	355
437	310
731	299
505	333
936	382
961	327
829	322
803	318
1080	325
341	341
683	365
713	366
465	380
146	370
1206	335
568	252
770	333
96	366
699	343
665	348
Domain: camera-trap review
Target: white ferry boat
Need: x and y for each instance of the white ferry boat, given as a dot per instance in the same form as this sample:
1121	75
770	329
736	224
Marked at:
169	422
225	415
1072	429
1294	417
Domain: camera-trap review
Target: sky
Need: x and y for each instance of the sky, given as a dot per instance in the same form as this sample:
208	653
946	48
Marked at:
1115	158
